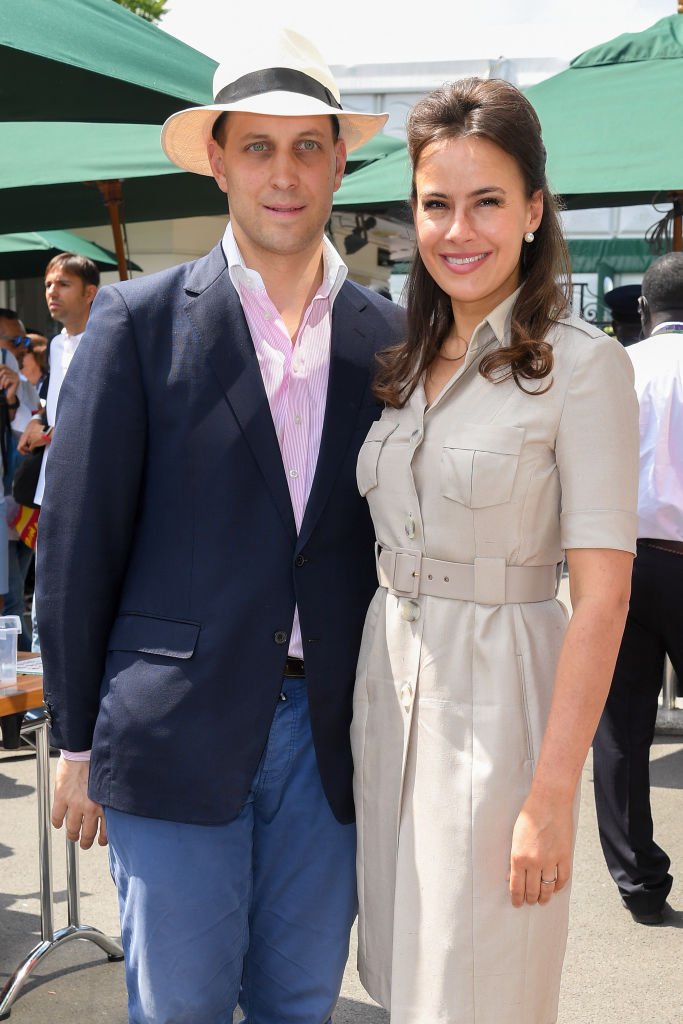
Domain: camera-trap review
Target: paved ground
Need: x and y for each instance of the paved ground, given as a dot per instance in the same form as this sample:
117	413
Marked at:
616	971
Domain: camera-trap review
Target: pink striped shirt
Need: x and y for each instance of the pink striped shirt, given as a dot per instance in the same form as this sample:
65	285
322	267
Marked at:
294	374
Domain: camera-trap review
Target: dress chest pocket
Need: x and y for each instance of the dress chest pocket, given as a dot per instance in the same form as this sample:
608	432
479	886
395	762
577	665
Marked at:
368	457
479	464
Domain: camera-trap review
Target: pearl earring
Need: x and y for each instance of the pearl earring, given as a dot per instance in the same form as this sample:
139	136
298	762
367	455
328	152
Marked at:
529	237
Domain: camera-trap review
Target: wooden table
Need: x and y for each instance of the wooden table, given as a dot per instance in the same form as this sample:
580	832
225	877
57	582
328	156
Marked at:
27	695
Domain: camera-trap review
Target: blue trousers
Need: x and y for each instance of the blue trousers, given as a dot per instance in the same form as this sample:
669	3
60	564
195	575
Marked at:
257	911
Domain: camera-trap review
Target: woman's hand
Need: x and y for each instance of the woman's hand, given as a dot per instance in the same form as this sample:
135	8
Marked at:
541	856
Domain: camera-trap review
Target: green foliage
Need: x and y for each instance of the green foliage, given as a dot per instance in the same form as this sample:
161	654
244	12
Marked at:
150	10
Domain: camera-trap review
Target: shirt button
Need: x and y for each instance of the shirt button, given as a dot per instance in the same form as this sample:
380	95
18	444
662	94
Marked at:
294	473
410	610
280	637
406	696
297	419
409	526
416	436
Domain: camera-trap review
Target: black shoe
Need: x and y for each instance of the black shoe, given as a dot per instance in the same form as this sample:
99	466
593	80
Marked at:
10	728
652	917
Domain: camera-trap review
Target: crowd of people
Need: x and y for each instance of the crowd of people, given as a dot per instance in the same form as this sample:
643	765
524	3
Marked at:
298	560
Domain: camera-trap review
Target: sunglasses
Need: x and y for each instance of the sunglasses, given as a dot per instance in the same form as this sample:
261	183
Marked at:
18	342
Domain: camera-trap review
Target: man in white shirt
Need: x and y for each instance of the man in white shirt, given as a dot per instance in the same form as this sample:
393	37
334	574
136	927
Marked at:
654	627
71	283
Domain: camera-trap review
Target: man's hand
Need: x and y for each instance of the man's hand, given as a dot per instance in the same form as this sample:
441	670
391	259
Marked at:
9	382
84	818
33	437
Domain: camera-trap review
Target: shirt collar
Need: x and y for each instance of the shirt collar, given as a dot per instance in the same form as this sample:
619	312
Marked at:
71	337
334	269
498	321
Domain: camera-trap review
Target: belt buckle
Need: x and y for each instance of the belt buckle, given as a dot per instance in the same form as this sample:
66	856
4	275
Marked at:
405	572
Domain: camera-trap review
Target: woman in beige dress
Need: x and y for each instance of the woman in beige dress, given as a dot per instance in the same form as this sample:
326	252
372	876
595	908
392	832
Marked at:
509	438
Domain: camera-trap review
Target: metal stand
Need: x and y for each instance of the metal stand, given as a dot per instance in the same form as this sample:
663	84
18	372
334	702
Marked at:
670	712
74	930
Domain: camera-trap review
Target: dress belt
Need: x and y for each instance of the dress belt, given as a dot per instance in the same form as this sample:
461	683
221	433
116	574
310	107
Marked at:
486	580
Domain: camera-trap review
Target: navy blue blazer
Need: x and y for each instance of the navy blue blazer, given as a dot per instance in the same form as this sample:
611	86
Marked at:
169	564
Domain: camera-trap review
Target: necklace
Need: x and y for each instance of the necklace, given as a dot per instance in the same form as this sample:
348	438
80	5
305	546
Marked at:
454	359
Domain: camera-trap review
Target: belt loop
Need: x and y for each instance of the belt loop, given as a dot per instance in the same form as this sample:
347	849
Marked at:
489	580
558	576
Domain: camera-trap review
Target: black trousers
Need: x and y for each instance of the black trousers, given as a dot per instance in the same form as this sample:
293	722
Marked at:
621	748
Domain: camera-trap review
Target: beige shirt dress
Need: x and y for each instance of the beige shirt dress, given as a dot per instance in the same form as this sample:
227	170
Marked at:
452	693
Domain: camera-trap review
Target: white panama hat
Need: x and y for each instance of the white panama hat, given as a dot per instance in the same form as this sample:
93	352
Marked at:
282	74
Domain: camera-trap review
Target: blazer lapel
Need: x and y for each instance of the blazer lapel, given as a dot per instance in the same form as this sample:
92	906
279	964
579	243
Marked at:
351	357
216	314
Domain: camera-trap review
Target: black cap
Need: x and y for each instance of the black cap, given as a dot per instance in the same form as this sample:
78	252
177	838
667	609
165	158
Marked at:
623	302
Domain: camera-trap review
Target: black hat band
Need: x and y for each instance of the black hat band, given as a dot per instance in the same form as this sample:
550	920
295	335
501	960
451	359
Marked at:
276	80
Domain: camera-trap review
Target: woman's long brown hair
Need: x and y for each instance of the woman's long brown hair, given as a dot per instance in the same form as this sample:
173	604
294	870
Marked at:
497	111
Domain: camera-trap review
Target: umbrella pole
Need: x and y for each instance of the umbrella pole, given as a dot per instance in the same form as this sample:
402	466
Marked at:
113	197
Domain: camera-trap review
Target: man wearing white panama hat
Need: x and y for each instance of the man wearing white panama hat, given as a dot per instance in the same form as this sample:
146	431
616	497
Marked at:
212	416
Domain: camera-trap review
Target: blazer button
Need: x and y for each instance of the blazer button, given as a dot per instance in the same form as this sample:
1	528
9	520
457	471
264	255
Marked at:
300	560
280	637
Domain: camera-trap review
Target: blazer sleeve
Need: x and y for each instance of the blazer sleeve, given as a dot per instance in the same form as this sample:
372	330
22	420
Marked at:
87	518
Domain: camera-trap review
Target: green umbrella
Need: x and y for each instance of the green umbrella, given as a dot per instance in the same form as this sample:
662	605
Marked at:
380	187
48	192
613	121
93	60
27	255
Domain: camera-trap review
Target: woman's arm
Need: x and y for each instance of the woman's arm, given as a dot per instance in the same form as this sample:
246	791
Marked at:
600	583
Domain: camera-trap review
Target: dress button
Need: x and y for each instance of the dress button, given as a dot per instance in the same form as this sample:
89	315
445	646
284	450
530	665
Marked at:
410	610
300	560
406	696
409	526
280	637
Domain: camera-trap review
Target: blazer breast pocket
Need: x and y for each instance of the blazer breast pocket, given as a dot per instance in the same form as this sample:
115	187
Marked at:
151	634
371	449
479	464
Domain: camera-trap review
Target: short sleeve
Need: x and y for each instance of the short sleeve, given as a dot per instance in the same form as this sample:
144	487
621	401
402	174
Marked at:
597	450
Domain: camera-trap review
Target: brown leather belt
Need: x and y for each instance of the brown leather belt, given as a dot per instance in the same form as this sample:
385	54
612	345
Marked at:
294	668
666	545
